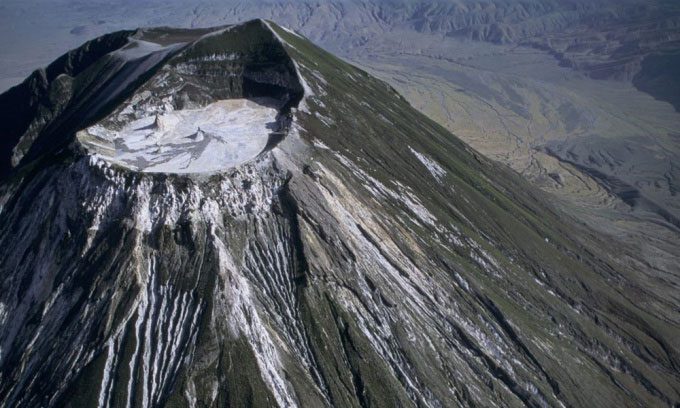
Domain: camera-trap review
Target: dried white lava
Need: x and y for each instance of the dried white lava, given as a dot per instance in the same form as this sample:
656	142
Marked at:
222	135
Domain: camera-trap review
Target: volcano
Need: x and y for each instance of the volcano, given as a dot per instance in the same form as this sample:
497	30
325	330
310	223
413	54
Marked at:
235	217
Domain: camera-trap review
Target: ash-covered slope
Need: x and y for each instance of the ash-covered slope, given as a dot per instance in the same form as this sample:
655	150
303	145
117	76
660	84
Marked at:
359	256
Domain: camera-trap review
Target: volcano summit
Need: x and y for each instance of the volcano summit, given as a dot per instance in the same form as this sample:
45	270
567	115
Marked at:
220	136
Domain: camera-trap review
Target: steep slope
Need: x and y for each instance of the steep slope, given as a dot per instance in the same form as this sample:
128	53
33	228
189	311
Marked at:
364	257
579	139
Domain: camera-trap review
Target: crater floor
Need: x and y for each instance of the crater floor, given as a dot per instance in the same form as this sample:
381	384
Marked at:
219	136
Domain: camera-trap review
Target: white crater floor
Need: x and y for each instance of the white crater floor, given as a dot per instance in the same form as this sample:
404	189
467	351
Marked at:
220	136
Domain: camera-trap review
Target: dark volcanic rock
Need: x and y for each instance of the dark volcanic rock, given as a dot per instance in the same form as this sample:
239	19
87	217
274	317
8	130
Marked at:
659	77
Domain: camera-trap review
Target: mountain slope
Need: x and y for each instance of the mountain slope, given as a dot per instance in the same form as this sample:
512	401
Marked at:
363	257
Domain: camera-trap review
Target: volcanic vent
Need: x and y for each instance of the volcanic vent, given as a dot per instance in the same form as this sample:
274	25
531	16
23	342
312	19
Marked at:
222	135
213	106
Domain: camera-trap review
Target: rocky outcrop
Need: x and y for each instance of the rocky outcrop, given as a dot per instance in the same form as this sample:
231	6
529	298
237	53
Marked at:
32	106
